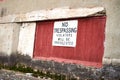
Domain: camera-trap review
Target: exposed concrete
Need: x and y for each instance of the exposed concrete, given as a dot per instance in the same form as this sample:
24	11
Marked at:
62	13
5	38
112	44
9	38
26	38
28	6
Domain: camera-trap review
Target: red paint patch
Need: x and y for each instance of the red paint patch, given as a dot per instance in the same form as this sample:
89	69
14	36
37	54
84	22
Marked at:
90	43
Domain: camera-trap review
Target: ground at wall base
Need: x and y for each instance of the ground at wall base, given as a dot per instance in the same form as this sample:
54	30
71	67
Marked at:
69	71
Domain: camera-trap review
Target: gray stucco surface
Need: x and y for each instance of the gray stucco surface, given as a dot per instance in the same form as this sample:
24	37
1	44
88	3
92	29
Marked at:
9	34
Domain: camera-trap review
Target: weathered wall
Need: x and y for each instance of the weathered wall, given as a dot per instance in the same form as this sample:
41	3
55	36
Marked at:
5	38
26	38
9	38
27	6
112	44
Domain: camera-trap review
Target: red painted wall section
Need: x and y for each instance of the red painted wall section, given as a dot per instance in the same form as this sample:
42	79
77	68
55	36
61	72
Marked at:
89	48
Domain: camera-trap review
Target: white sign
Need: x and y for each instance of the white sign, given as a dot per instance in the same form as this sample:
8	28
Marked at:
64	33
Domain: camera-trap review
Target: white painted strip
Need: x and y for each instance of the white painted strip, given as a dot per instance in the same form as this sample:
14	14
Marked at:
26	39
57	13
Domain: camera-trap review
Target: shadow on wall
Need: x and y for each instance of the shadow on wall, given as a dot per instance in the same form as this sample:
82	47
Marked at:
14	59
71	71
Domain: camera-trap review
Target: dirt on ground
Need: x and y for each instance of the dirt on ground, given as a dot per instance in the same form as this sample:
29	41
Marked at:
12	75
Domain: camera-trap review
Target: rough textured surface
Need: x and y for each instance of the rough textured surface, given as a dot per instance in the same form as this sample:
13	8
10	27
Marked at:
62	13
28	6
112	45
9	34
107	72
12	75
112	7
5	38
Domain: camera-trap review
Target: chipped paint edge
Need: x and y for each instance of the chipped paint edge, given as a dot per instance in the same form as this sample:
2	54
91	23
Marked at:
57	13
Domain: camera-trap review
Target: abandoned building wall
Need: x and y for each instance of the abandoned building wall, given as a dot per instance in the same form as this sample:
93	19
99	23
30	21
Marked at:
12	40
9	38
112	7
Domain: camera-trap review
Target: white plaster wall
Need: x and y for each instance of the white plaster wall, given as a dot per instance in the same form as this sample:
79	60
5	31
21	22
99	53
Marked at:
8	38
26	39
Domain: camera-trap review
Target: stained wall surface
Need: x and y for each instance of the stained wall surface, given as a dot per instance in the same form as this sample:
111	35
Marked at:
112	44
9	38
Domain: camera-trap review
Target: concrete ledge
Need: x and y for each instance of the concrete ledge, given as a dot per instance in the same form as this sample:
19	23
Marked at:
57	13
68	61
111	61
